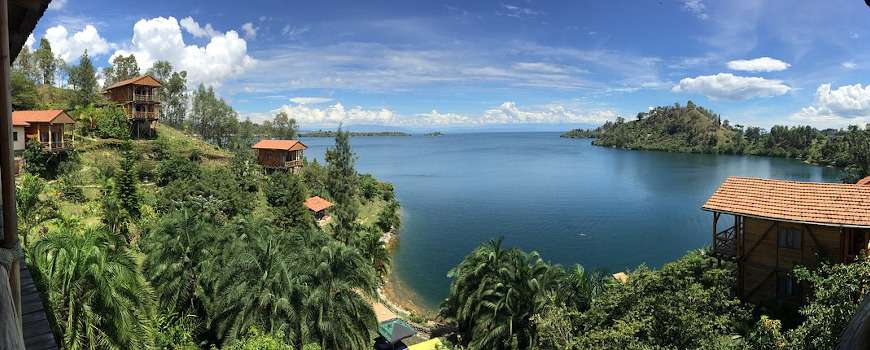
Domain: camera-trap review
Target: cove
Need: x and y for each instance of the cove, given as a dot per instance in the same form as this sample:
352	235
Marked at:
607	209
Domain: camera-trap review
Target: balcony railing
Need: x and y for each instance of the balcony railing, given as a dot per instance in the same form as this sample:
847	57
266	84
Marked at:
57	145
293	163
725	243
144	115
145	98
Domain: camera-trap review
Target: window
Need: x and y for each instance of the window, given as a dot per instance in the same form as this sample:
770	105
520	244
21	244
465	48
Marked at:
787	286
790	238
14	136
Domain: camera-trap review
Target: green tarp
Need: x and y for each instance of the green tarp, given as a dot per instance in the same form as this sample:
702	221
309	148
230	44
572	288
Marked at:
395	330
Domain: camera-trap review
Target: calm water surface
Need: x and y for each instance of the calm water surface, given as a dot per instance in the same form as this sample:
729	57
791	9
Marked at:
572	202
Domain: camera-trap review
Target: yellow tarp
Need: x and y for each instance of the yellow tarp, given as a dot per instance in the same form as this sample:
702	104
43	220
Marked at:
430	344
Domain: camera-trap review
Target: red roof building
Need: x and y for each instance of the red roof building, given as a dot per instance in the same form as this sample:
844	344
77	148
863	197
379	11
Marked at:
318	206
52	128
780	224
280	154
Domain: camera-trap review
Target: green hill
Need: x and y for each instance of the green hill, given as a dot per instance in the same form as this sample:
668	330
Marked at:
695	129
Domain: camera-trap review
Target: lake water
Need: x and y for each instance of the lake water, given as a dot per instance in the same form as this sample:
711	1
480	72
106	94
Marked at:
573	202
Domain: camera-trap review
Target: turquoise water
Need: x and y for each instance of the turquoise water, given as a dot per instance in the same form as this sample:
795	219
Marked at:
573	202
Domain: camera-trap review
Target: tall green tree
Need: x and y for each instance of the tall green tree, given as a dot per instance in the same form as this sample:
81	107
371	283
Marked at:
24	93
94	290
160	70
46	61
173	92
180	254
211	117
126	183
26	63
342	186
286	194
284	127
340	279
122	67
83	79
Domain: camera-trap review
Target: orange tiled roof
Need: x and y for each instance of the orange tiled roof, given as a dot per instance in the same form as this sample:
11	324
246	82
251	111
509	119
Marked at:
810	202
24	118
317	204
864	182
140	80
284	145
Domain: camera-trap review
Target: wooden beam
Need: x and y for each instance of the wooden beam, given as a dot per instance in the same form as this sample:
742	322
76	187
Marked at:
755	289
755	245
819	248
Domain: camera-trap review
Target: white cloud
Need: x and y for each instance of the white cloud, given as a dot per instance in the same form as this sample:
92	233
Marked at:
310	100
506	113
293	32
849	65
29	42
696	7
250	30
70	47
728	86
761	64
846	105
225	56
57	4
517	11
196	30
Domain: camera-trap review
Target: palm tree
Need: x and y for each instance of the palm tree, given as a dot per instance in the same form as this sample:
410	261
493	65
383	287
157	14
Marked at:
339	279
494	295
177	254
369	244
578	287
258	283
98	298
33	208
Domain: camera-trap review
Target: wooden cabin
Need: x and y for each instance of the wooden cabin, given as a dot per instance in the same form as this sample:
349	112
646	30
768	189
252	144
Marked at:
318	207
138	97
780	224
280	154
51	128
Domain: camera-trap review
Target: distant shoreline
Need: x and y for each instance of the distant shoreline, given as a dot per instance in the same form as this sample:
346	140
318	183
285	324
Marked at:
329	133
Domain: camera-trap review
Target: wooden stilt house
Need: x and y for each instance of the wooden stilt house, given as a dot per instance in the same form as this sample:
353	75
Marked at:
280	154
777	225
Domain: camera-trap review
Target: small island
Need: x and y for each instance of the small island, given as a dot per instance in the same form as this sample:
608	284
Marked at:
434	133
331	133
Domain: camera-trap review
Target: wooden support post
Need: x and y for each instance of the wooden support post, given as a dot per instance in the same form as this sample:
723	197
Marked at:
7	175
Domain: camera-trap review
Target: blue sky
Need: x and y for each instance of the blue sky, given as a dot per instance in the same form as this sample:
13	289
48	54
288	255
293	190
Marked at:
524	64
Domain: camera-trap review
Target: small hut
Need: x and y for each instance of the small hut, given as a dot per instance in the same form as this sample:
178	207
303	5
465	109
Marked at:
392	332
280	154
318	207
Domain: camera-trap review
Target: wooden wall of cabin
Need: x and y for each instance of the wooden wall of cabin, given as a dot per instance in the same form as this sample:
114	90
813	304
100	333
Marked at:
271	158
121	95
763	258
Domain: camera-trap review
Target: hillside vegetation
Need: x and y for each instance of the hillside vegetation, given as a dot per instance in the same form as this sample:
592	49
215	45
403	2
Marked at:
695	129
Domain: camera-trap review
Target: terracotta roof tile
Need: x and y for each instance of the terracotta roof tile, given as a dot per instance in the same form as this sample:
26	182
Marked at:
812	202
44	116
140	80
317	204
284	145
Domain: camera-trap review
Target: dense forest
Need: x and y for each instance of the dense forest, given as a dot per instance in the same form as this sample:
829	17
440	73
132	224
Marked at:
692	128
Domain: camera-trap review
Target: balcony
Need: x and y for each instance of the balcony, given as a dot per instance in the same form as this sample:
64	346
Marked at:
144	115
145	98
57	145
293	163
725	243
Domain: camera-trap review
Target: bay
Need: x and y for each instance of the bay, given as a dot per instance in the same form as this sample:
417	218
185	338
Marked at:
607	209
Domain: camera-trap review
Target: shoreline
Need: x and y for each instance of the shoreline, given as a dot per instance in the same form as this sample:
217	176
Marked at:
393	294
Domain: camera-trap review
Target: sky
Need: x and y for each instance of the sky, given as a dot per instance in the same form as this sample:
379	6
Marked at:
493	65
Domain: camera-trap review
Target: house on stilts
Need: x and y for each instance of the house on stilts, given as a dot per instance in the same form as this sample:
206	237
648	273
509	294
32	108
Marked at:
775	225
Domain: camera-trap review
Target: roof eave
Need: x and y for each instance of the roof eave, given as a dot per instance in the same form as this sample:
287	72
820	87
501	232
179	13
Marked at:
784	220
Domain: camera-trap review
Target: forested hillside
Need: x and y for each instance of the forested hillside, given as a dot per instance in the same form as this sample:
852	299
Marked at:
695	129
183	241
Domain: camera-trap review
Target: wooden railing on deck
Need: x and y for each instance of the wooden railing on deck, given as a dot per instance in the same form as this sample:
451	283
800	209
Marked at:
145	98
725	243
144	115
293	163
